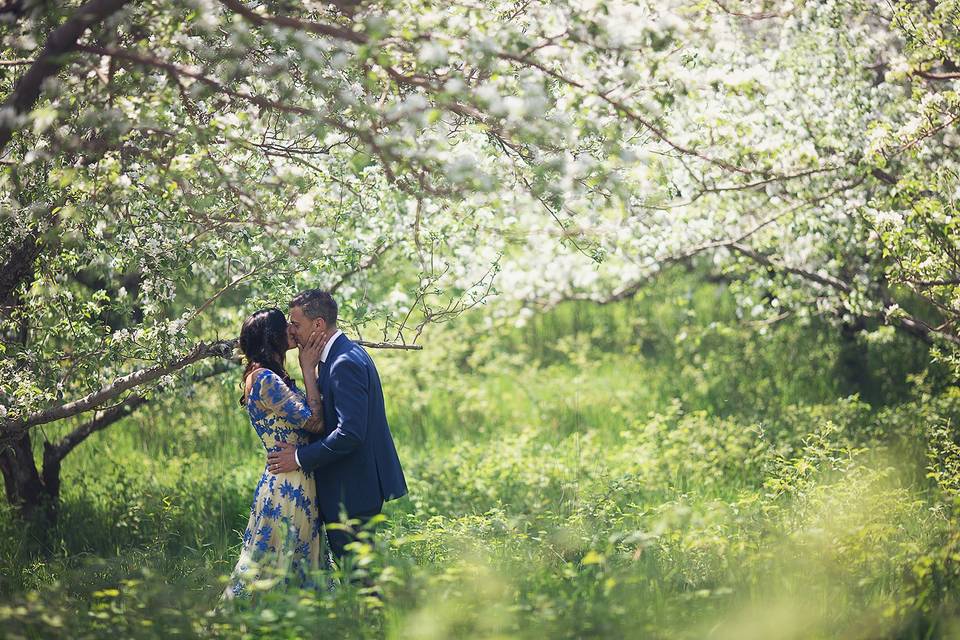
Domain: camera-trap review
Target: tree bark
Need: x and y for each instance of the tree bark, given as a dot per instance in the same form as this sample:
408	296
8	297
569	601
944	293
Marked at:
19	268
24	487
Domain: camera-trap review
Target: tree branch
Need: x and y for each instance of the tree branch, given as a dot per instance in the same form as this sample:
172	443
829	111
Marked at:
630	114
932	75
101	420
362	134
104	419
825	280
319	28
370	260
178	70
209	301
19	266
762	15
933	283
389	345
63	40
12	428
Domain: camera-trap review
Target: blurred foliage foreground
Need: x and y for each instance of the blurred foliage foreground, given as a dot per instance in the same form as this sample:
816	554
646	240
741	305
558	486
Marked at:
656	468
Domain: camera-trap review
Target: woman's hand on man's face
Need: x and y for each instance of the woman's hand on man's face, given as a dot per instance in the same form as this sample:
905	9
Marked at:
311	349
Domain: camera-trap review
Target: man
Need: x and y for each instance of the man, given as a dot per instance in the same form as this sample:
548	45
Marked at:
354	462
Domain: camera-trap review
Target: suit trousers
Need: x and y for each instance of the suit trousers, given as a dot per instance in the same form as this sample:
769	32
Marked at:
338	539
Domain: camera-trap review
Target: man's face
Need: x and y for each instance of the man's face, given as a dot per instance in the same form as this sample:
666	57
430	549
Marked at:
301	326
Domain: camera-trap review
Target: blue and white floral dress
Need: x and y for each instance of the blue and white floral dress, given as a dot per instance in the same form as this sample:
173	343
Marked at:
281	544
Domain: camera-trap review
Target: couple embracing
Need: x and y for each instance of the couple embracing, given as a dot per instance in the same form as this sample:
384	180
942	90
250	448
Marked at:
330	454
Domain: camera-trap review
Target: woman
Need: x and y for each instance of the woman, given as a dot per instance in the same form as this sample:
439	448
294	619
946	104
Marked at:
282	538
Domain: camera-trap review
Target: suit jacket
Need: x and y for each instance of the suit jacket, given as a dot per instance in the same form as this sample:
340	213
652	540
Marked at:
355	462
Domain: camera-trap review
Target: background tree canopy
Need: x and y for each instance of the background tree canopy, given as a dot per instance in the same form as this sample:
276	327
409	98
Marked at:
167	167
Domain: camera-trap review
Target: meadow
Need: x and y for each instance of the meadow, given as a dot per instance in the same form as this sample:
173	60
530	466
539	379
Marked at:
657	468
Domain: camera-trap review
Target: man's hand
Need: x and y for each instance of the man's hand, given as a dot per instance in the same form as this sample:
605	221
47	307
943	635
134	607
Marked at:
309	354
282	461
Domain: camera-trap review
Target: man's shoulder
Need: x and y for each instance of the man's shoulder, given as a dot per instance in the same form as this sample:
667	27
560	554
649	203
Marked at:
349	352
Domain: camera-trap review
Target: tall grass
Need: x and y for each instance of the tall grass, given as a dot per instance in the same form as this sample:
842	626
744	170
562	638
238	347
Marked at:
650	469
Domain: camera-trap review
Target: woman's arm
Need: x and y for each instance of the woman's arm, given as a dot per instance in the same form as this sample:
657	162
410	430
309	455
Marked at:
309	356
312	386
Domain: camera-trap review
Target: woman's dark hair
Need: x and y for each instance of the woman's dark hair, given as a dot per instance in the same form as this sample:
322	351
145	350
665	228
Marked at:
263	339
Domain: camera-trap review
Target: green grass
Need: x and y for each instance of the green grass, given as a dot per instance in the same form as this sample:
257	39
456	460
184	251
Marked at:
652	469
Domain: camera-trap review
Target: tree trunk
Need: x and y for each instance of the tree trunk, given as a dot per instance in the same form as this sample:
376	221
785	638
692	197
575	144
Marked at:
25	488
852	367
36	493
51	474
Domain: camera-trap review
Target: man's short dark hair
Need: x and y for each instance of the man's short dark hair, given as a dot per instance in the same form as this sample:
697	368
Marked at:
316	303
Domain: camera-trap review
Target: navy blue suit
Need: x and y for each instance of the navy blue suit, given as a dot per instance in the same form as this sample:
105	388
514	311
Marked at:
355	462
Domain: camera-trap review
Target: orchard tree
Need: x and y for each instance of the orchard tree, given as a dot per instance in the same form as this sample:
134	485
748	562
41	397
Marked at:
169	166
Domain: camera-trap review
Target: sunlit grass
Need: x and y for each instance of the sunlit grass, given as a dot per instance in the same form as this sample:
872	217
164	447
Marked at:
596	486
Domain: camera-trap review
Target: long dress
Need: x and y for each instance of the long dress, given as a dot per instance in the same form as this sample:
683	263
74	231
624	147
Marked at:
281	544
